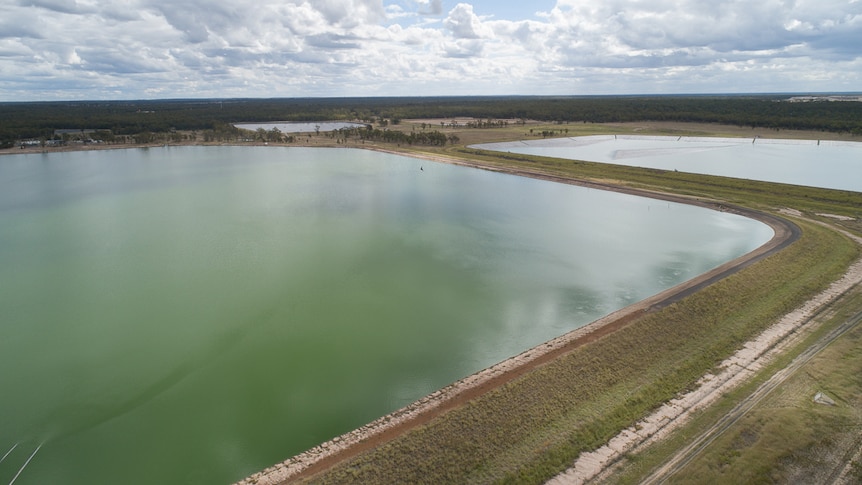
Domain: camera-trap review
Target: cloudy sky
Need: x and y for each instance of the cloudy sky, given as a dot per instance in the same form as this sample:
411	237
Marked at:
130	49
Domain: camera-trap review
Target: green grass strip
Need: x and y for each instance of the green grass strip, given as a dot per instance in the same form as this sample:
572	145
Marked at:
751	193
782	432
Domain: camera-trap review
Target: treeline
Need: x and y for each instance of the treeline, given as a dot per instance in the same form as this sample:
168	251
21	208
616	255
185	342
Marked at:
36	120
394	136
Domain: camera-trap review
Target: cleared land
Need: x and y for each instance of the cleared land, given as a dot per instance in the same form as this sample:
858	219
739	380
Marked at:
526	426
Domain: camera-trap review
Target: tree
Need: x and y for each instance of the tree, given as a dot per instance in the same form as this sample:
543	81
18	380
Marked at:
274	135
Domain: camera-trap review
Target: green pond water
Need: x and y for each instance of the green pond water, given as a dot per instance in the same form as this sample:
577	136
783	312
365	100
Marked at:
193	315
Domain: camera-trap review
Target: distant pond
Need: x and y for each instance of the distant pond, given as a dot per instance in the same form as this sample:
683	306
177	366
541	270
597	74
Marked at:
196	314
294	127
814	163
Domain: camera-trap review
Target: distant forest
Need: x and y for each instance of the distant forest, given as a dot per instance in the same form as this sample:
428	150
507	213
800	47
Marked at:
39	120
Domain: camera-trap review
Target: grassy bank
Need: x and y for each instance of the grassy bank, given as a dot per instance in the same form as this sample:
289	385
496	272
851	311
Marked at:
750	193
534	427
787	437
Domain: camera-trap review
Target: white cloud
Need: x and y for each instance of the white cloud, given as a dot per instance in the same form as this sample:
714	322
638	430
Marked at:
134	48
464	24
25	26
349	13
430	7
463	48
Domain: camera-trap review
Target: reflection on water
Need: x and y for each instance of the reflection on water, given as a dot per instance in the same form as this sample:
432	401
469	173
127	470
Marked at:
193	315
815	163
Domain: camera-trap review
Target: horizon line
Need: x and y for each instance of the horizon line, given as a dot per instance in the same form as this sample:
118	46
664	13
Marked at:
446	96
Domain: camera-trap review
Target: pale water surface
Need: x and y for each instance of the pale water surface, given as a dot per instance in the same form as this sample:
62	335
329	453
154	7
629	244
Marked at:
826	164
193	315
301	127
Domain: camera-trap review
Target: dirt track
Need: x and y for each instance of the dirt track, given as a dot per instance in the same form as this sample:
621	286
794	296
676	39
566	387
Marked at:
684	456
388	427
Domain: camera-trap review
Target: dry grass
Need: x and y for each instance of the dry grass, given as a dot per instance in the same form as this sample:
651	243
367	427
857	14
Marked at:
786	438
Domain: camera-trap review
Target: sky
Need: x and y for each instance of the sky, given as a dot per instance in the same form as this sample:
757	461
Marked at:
157	49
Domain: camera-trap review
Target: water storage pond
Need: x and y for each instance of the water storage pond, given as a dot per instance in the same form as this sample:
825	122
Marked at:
826	164
301	127
195	314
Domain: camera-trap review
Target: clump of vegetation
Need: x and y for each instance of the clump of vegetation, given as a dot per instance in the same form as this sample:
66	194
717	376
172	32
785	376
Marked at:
433	138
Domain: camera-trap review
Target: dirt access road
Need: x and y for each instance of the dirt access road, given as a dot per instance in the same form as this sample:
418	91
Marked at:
689	452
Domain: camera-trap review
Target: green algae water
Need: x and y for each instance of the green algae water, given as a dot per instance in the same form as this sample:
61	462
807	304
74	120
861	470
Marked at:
193	315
